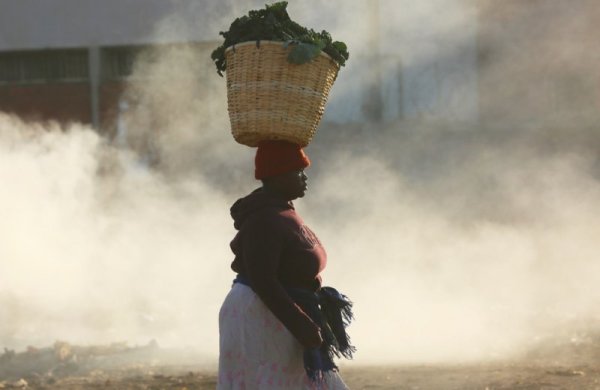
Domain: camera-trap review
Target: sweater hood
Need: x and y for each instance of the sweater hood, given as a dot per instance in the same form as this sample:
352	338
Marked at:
253	202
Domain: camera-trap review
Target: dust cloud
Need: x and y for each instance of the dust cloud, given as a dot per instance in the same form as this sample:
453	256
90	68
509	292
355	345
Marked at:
491	257
457	241
97	248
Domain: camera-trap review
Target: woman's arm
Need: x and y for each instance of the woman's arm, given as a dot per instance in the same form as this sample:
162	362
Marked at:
262	247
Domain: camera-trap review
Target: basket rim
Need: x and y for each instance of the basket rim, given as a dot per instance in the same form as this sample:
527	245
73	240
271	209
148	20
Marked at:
268	42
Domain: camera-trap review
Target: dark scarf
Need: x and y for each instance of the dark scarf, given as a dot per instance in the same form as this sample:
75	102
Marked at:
332	312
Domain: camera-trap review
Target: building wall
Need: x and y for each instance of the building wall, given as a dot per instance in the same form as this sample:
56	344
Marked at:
62	102
46	24
110	95
36	38
407	60
46	84
72	85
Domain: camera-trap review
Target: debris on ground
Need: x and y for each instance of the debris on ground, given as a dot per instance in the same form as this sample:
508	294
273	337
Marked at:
46	365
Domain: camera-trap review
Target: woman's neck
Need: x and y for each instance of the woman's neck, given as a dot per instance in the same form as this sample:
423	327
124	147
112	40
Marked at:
275	192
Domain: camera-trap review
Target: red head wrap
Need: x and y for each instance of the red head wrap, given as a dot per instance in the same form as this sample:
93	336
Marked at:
277	157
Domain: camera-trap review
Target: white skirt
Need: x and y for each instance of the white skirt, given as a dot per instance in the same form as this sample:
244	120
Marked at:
257	352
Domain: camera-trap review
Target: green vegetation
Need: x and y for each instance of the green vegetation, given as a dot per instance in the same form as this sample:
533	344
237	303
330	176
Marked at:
274	24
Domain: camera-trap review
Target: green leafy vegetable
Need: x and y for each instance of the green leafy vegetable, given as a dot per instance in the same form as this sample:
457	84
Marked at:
274	24
302	53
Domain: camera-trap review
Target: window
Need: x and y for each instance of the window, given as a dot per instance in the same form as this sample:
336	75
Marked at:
117	62
30	67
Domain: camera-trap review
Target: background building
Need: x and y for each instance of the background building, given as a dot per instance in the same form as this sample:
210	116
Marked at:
69	59
454	62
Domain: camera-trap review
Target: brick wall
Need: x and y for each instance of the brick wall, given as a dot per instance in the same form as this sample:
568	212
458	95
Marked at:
110	92
62	102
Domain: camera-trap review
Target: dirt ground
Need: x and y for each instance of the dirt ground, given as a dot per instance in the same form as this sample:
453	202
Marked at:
567	365
476	377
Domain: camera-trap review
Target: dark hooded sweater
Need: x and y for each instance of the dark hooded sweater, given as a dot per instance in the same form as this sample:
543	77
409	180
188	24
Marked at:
273	250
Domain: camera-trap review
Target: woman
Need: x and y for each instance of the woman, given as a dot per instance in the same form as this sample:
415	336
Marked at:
275	329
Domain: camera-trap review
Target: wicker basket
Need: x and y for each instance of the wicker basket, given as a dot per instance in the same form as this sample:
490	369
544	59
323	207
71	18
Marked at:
270	99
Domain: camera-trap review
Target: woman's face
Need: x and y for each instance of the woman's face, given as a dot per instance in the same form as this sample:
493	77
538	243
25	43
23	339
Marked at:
291	185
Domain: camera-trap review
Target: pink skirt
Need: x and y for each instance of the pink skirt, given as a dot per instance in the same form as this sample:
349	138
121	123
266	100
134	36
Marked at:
257	351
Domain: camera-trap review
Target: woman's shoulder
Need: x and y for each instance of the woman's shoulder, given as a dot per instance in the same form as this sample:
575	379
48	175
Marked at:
275	214
256	206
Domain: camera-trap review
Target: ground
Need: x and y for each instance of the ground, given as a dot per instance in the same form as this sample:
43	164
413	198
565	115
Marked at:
570	365
466	377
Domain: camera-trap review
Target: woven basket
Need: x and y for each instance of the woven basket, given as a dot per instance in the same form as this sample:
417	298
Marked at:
270	99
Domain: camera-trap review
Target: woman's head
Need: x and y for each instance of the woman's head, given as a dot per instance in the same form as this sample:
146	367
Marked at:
280	165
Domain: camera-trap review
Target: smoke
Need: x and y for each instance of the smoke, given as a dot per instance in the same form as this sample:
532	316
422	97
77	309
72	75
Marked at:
97	248
487	259
457	241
